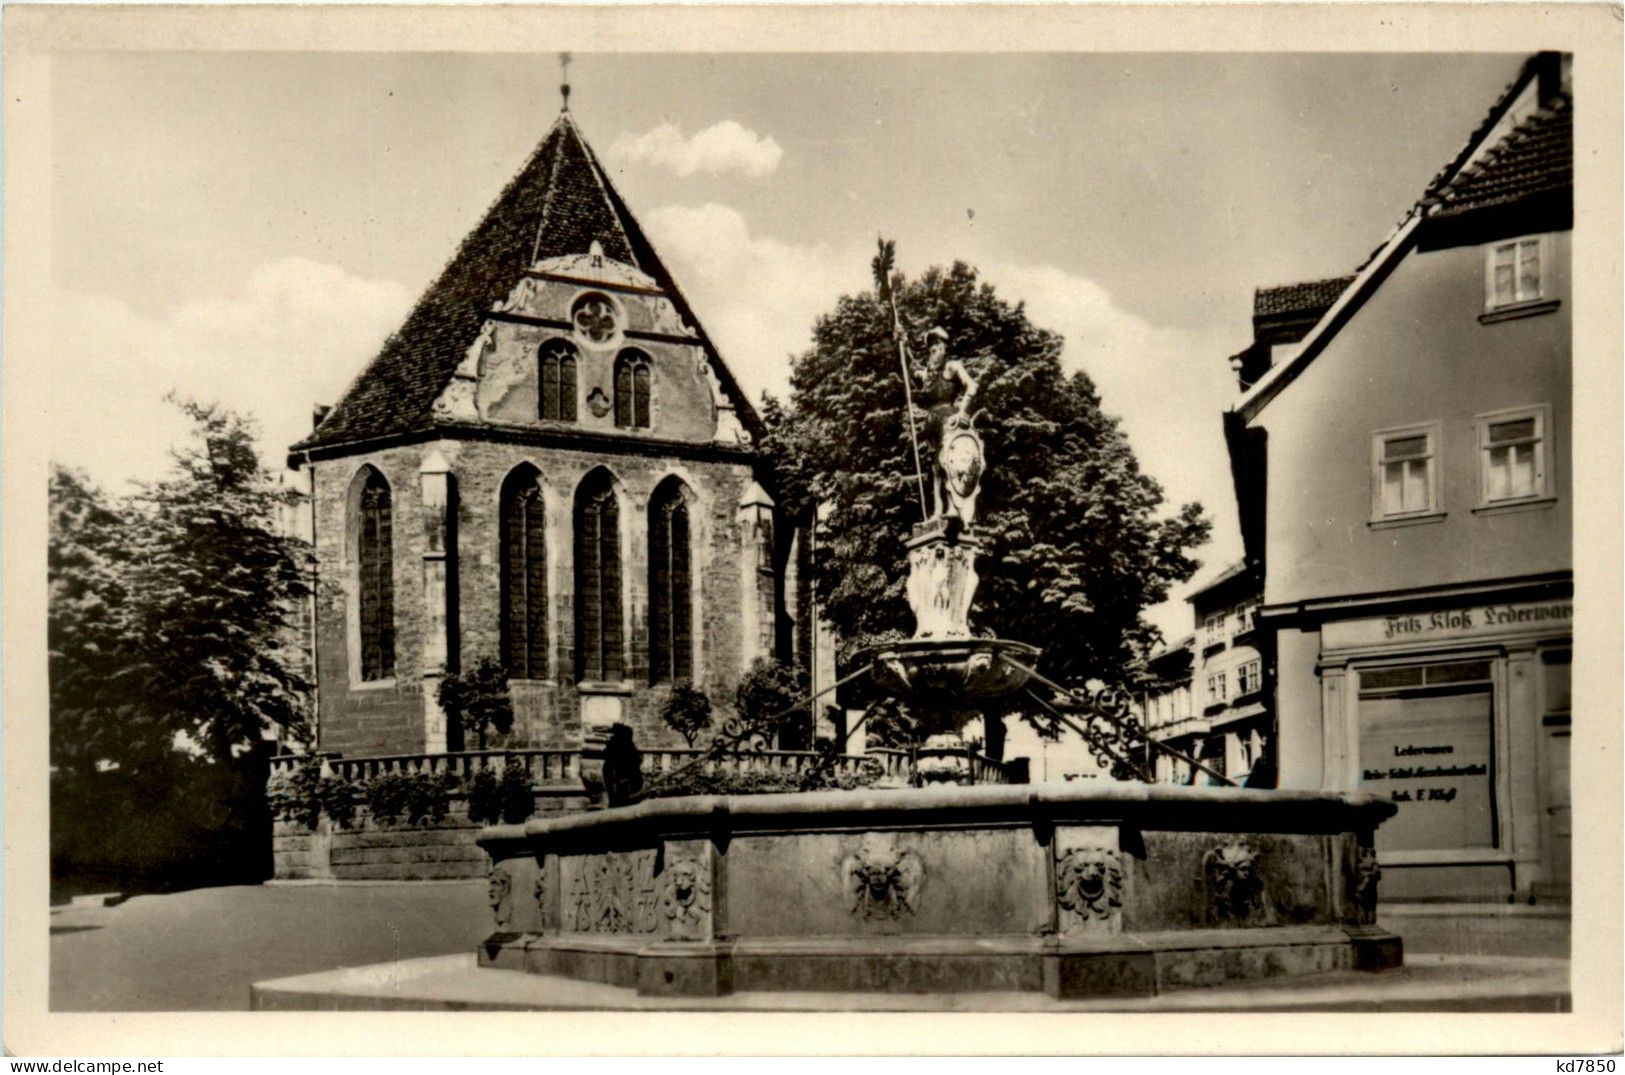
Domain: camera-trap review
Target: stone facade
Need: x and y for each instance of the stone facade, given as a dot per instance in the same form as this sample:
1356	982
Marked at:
397	716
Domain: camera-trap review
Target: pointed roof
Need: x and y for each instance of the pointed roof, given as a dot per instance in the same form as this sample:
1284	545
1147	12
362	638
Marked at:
1515	160
560	203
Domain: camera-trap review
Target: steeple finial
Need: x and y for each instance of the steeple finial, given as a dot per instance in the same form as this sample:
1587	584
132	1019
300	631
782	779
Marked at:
564	85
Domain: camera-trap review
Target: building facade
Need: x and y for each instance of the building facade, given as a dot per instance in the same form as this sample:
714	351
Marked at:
550	465
1208	695
1403	478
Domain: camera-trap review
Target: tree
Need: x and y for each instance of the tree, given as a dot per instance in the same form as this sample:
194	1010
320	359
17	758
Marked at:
96	719
764	697
479	699
1076	544
686	711
172	653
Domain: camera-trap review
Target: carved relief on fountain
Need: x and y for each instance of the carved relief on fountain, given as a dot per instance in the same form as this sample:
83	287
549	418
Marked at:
883	880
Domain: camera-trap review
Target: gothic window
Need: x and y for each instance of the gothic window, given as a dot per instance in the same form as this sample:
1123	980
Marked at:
632	390
671	598
765	587
598	579
524	576
558	379
375	557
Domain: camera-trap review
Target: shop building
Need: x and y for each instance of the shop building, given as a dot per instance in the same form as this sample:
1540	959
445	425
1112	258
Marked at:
1403	478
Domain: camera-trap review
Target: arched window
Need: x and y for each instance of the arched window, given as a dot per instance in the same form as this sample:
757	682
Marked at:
376	560
558	381
524	575
671	597
632	389
598	579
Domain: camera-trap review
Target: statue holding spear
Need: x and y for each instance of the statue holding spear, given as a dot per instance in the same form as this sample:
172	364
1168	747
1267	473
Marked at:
945	391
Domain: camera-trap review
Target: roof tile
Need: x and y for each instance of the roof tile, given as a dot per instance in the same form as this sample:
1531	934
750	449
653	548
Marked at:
561	202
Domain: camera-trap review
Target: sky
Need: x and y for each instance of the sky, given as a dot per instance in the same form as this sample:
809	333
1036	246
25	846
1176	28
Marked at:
248	227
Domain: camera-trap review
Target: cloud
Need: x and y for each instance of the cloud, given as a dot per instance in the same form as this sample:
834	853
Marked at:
757	296
1168	385
721	147
292	334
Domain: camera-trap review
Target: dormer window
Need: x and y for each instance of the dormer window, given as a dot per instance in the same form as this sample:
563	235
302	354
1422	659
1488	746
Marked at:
596	319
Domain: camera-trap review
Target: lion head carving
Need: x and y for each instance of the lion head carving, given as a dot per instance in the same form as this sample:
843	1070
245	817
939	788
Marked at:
1089	881
685	895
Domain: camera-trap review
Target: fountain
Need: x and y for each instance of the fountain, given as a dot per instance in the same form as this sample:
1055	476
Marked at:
1087	889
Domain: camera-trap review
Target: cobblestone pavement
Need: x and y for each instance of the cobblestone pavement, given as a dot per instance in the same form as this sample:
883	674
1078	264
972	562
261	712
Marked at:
200	950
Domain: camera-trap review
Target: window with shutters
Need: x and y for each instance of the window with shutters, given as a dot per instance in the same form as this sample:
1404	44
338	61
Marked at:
632	384
1514	456
376	591
524	575
671	596
1404	473
557	374
598	580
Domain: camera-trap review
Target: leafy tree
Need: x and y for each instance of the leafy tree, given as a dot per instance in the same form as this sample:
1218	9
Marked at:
171	654
479	699
764	697
1076	543
686	711
171	611
215	588
95	717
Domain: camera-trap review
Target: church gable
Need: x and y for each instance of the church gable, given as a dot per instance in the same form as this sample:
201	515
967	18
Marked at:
589	343
558	230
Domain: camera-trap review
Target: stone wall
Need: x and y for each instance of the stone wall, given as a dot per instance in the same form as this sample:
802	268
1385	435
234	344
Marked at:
369	851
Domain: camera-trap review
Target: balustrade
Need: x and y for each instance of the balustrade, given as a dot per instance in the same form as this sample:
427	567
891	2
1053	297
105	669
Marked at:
563	767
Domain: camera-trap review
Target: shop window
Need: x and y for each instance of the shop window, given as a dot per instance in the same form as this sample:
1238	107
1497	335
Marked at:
1404	475
1515	273
557	374
1427	745
1513	456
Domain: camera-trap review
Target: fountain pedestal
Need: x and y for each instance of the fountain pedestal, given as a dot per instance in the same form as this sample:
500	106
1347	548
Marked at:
1071	890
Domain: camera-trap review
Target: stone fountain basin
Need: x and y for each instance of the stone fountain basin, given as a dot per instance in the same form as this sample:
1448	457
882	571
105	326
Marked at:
1076	889
953	673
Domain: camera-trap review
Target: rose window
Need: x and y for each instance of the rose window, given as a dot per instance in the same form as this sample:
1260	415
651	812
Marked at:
595	318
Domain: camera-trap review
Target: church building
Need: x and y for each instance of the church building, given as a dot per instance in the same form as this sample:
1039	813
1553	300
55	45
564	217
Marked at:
549	464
